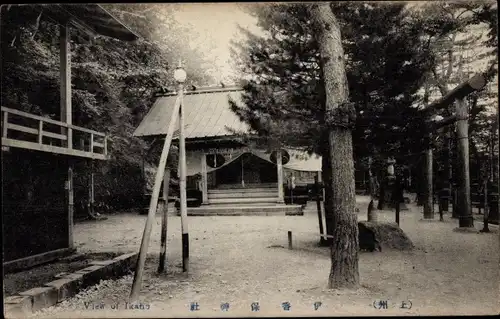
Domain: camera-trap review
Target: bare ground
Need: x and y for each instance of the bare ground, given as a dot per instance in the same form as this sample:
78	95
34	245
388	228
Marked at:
239	260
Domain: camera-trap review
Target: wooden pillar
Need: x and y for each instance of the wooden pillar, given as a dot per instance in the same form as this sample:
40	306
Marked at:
463	175
70	203
65	82
182	184
204	179
279	166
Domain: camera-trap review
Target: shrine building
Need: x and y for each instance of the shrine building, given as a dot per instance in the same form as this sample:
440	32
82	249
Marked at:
233	177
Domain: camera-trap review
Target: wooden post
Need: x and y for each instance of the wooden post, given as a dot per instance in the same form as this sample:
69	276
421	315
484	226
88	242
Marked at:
182	184
40	131
65	82
464	200
164	222
486	208
317	190
92	206
106	145
279	167
398	208
91	142
429	193
290	240
204	179
70	206
146	236
5	123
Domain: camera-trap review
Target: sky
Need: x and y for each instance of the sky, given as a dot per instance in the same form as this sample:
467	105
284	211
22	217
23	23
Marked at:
216	24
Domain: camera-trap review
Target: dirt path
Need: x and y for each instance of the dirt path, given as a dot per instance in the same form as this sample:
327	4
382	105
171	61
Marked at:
231	261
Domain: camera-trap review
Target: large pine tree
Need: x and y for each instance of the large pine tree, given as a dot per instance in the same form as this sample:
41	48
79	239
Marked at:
385	62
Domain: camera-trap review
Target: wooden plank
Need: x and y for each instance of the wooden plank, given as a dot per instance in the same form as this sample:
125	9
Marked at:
28	262
50	121
21	128
51	149
55	135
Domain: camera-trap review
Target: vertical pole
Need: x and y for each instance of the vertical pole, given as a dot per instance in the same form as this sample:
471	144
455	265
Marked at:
164	222
279	167
92	198
463	200
65	82
242	172
429	198
204	179
91	143
290	240
5	123
398	208
486	208
105	145
318	208
372	214
40	132
182	183
70	206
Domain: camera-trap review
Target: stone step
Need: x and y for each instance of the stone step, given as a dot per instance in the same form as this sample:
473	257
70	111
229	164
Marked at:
243	190
248	185
276	210
243	194
245	200
239	203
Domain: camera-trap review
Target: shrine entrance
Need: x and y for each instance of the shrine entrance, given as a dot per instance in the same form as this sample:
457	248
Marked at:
246	172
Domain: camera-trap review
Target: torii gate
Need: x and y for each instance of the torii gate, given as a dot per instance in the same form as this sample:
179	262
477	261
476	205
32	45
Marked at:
457	95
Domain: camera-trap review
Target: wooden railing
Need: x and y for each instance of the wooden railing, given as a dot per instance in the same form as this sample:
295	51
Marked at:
25	130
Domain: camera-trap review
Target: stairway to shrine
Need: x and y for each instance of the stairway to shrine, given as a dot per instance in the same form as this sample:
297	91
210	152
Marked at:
235	200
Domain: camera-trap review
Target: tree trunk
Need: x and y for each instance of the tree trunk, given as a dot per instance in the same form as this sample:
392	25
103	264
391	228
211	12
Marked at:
344	250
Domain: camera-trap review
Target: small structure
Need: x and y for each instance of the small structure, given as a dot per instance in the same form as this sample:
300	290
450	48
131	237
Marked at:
232	176
38	154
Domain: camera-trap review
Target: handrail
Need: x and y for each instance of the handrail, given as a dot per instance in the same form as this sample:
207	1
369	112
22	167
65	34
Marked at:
51	121
40	133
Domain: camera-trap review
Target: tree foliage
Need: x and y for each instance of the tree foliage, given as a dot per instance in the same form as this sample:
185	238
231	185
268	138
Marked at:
113	82
386	60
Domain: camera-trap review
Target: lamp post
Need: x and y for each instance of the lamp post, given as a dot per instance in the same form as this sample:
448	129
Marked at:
180	77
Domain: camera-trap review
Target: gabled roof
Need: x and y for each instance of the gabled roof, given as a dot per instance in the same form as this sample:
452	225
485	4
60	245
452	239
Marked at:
207	114
92	18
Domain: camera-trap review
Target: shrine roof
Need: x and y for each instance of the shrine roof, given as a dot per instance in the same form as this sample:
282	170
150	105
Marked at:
207	114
